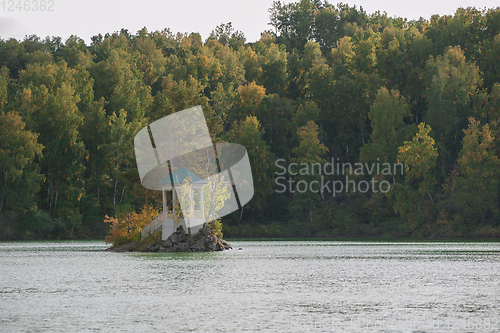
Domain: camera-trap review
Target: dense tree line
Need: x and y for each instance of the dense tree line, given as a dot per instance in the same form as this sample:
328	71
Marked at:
325	83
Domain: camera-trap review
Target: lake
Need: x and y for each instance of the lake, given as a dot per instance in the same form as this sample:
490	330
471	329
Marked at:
268	286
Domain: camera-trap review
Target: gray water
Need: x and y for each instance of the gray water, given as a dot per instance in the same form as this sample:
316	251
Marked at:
288	286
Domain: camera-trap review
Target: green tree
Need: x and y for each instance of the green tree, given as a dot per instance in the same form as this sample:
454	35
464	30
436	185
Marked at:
226	35
274	69
301	27
451	81
487	55
491	114
48	101
204	66
179	95
310	151
326	24
121	152
419	159
319	84
275	114
391	60
120	84
305	112
75	53
19	177
233	72
150	60
249	134
19	150
387	120
223	101
476	186
250	61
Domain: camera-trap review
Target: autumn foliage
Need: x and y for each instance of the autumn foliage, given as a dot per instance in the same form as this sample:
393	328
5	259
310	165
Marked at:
359	84
126	227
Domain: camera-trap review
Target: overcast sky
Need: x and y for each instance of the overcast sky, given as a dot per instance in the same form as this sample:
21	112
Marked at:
91	17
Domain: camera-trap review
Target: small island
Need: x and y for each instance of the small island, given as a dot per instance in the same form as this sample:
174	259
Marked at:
179	241
171	229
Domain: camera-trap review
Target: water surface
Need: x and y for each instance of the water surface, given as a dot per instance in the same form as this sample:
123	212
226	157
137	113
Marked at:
269	286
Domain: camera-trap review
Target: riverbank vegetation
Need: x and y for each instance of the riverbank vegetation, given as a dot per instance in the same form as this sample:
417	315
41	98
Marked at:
325	82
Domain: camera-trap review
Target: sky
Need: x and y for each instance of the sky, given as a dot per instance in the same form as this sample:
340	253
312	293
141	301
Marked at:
18	18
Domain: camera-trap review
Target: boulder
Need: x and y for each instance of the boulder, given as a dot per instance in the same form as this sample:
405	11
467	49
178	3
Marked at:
167	243
198	246
210	246
174	238
153	247
205	230
183	247
182	236
179	230
123	248
226	245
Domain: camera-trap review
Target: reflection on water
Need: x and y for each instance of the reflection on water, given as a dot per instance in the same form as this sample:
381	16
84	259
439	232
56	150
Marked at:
287	286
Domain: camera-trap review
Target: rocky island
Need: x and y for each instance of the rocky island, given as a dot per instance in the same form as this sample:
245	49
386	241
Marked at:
178	241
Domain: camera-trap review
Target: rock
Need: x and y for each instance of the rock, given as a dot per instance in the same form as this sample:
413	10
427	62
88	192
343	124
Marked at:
183	247
226	245
167	243
179	230
116	249
153	247
174	238
210	246
205	230
123	248
199	246
130	246
182	236
179	242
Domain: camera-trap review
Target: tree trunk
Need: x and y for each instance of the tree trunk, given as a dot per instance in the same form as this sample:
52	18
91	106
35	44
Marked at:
123	192
116	182
321	120
57	192
360	118
1	201
49	186
4	194
241	215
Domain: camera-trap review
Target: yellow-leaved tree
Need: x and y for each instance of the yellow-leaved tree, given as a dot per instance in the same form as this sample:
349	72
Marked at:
126	226
419	159
310	151
475	188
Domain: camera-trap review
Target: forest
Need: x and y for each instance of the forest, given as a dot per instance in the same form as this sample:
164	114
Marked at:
324	83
